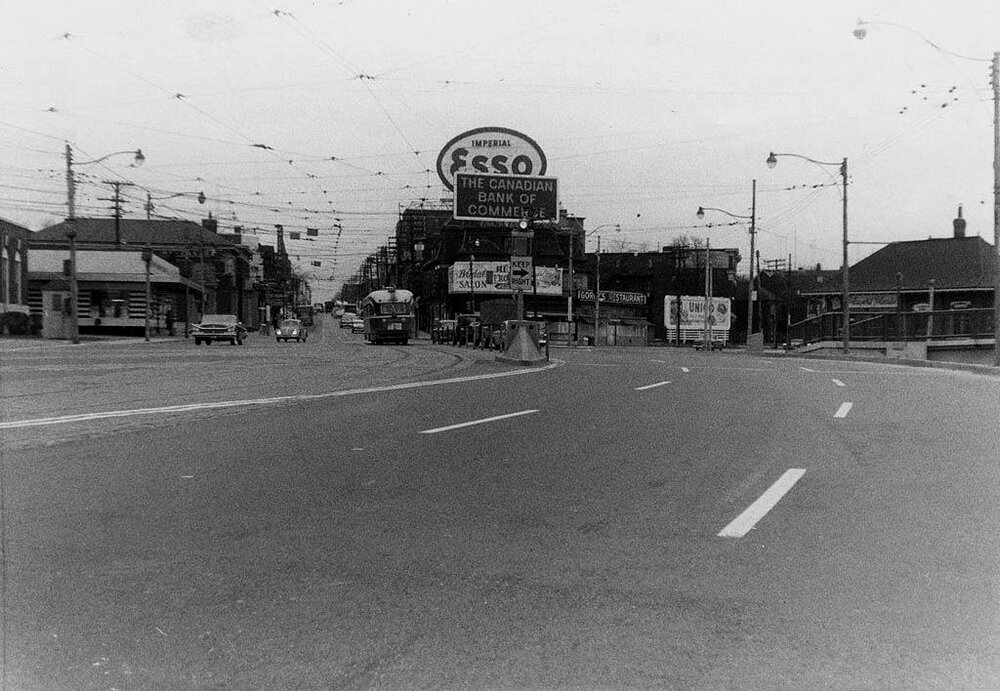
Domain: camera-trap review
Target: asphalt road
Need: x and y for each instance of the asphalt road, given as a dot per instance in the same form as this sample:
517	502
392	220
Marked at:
338	515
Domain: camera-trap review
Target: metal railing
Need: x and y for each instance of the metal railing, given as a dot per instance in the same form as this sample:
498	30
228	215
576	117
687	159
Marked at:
896	326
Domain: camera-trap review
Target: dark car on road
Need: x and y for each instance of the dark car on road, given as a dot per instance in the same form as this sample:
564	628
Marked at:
443	331
289	329
219	327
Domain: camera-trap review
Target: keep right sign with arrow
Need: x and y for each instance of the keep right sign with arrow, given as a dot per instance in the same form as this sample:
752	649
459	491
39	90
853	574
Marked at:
521	269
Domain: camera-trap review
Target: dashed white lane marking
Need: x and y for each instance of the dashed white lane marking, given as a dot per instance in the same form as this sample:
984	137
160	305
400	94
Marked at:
843	410
838	382
806	369
651	386
685	369
477	422
744	523
85	417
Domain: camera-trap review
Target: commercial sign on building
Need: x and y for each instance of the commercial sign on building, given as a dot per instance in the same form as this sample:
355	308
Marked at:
490	150
692	312
491	278
482	197
613	297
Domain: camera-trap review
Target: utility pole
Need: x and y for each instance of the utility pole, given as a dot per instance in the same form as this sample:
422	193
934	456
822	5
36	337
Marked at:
70	184
597	295
708	294
74	322
117	200
147	258
995	74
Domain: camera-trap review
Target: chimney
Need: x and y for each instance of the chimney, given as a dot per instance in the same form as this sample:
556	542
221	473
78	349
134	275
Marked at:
959	224
210	223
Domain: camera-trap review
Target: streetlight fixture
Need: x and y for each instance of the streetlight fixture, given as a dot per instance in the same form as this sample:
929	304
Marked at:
138	160
860	31
772	161
753	233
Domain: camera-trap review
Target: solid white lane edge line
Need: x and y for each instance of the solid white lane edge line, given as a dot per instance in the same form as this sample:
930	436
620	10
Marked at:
651	386
744	523
477	422
838	382
843	410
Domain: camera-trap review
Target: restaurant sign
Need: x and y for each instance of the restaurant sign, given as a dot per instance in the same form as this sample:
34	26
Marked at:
613	297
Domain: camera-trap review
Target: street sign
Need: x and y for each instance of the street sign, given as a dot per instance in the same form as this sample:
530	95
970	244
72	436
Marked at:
481	197
521	270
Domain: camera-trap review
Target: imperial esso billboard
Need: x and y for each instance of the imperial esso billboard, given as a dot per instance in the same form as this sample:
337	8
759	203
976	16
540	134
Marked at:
490	150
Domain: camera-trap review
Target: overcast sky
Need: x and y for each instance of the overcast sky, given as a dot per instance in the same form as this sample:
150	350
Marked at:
330	115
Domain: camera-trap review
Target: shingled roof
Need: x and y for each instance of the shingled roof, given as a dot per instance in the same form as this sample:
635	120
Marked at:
134	231
953	263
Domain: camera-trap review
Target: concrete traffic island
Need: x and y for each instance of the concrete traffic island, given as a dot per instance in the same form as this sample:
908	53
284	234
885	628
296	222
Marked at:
522	350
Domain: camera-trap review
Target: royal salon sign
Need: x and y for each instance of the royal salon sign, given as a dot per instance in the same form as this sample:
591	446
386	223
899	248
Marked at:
491	150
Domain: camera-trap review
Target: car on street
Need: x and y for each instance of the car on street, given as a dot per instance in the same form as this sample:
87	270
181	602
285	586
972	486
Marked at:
289	329
219	327
357	326
443	331
346	318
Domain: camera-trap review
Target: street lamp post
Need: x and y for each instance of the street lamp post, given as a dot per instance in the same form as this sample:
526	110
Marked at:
772	161
597	282
753	234
860	31
139	159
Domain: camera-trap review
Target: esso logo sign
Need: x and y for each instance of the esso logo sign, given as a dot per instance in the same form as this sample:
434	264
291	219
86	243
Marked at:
491	150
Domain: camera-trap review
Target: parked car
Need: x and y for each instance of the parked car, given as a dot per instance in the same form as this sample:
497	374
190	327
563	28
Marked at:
443	331
219	327
466	328
346	318
291	328
358	326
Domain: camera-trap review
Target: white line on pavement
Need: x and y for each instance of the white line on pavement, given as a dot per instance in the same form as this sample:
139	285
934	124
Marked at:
843	410
838	382
85	417
806	369
651	386
477	422
744	523
685	369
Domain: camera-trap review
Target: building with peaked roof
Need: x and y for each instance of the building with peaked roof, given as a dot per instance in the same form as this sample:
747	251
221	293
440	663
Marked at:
218	266
938	273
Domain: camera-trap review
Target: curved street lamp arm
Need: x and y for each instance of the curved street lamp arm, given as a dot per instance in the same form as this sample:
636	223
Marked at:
772	160
860	31
137	153
702	209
